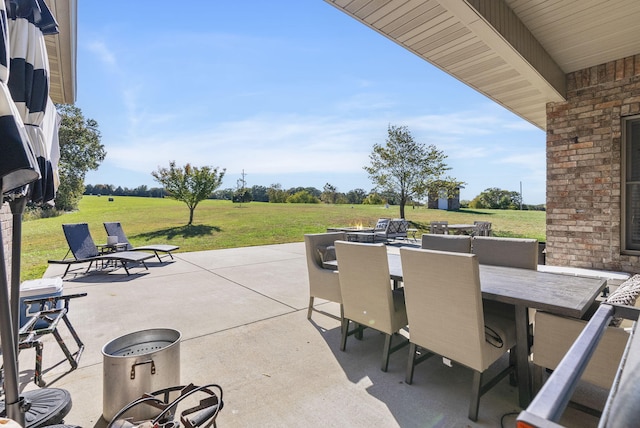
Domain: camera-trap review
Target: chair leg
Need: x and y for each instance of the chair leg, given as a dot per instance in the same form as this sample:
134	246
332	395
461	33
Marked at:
411	364
474	402
385	352
513	361
345	332
37	375
310	310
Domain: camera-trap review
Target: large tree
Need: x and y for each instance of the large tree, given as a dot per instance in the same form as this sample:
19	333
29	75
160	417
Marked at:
189	184
80	152
496	198
403	166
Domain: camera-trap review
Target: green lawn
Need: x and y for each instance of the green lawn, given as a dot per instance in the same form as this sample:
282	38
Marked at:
222	224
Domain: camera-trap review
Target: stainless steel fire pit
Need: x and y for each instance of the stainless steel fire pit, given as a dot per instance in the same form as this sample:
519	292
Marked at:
138	363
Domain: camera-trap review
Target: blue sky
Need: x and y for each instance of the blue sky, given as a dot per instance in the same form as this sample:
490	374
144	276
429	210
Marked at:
292	92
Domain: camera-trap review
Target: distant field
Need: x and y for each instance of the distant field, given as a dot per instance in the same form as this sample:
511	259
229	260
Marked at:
223	224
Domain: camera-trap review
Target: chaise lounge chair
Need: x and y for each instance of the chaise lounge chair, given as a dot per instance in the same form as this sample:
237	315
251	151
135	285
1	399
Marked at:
84	250
115	229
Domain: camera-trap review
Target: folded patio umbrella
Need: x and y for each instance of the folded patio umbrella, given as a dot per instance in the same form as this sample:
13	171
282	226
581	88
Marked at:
25	160
29	21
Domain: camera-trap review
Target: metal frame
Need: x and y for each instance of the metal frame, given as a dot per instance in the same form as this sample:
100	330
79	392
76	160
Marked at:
29	336
549	404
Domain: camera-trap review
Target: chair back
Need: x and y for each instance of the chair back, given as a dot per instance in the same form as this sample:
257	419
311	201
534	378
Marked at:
80	241
115	229
397	226
481	228
511	252
382	224
365	285
323	283
439	227
444	304
452	243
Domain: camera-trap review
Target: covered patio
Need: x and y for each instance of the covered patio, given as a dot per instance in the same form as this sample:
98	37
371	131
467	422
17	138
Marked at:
242	315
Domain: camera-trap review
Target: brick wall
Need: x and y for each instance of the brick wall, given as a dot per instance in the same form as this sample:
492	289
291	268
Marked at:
584	166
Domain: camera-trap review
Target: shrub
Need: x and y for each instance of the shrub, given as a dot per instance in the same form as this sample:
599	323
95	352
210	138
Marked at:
302	197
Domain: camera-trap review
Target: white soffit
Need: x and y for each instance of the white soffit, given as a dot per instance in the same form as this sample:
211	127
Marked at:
61	49
516	52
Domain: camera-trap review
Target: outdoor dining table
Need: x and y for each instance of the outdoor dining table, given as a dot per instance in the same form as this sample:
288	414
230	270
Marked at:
525	288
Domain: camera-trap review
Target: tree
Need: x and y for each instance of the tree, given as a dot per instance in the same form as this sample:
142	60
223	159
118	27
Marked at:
80	152
496	198
329	194
404	166
242	194
276	194
302	197
356	196
189	184
373	199
259	193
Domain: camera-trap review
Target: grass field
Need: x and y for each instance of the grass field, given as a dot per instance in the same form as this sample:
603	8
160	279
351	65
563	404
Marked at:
223	224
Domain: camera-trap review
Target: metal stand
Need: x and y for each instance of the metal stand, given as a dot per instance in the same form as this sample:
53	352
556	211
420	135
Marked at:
8	335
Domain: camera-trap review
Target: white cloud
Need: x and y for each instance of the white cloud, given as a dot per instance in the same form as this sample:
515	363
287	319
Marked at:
103	53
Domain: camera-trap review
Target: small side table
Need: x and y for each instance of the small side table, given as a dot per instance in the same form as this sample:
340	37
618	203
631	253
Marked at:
111	248
412	232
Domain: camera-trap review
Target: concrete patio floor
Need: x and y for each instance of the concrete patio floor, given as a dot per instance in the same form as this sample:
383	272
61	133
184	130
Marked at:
242	315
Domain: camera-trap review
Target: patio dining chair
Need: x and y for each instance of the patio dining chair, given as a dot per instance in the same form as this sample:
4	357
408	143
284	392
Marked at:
323	283
450	321
454	243
481	228
439	227
367	297
511	252
115	229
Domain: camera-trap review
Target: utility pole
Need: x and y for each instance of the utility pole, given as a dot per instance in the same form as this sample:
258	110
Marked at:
521	196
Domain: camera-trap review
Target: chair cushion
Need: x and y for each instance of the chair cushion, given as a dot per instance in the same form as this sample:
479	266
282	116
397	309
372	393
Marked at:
327	252
626	294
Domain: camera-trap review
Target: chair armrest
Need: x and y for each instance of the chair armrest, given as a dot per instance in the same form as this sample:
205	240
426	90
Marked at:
42	301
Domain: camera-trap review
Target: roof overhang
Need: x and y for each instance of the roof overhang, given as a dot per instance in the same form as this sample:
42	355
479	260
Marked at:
516	52
62	51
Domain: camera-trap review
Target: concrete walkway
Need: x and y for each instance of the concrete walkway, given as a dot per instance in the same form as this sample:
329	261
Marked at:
242	315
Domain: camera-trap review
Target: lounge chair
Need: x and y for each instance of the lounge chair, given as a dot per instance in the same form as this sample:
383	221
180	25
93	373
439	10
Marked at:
115	229
84	250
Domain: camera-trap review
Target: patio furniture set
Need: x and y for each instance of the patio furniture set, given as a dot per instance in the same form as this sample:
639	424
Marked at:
478	228
116	251
386	229
489	285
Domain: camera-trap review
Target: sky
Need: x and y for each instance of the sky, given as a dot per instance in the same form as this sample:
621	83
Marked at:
292	92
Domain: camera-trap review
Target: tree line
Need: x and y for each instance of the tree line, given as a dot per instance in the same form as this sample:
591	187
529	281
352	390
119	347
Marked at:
491	198
274	194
